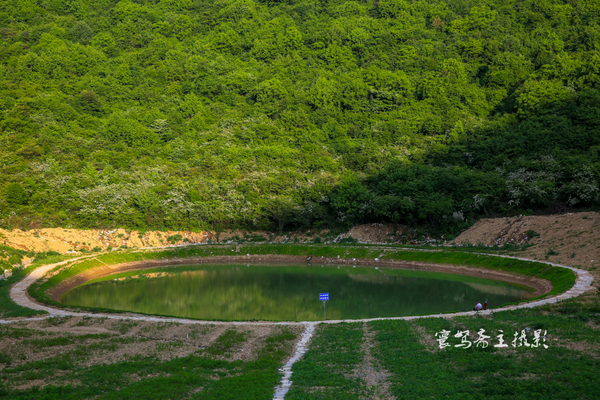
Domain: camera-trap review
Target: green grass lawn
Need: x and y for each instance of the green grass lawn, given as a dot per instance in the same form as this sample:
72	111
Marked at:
418	368
326	371
140	361
345	361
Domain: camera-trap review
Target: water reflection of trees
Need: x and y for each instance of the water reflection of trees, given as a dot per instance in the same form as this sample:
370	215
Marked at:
268	293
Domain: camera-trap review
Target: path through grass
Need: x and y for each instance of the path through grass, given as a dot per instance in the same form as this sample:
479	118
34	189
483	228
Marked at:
61	358
417	368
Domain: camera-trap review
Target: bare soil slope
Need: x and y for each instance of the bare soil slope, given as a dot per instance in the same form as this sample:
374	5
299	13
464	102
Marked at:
74	240
570	239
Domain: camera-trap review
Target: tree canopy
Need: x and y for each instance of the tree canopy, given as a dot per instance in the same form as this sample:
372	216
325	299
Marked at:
282	114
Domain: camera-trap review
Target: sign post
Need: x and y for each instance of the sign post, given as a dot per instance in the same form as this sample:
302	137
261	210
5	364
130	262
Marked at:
324	297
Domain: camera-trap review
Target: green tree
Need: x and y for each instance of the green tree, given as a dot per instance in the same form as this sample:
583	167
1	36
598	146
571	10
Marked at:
351	201
15	194
535	96
121	128
282	210
81	32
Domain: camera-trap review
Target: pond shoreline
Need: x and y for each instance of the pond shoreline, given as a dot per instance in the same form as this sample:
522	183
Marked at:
541	286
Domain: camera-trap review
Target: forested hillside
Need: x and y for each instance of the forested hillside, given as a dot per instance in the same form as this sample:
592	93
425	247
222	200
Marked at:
294	114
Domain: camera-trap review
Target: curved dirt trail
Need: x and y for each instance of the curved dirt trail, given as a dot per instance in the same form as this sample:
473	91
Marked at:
18	293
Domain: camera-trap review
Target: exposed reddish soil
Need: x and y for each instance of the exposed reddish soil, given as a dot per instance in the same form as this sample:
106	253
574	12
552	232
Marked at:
574	237
75	241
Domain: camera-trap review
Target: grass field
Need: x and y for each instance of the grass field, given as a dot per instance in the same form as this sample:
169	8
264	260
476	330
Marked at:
76	358
80	357
403	360
71	358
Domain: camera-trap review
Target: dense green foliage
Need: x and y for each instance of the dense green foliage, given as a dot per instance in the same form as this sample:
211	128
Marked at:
10	257
196	114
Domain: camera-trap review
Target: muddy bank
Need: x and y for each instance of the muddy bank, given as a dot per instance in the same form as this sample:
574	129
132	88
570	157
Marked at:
541	286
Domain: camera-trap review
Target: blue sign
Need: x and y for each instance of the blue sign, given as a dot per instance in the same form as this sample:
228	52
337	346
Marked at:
323	296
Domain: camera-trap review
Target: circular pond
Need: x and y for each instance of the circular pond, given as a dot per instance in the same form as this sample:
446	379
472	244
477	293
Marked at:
289	292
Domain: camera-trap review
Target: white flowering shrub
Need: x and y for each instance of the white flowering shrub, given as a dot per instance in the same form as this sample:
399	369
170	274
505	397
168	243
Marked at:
583	188
458	216
533	187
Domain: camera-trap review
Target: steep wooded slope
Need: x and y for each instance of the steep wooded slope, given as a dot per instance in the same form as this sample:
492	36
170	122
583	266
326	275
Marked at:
235	113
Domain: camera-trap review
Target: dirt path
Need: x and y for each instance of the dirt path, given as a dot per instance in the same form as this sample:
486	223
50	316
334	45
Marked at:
19	292
371	371
375	376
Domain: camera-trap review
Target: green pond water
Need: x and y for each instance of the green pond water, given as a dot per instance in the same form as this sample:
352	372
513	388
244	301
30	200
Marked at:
289	292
